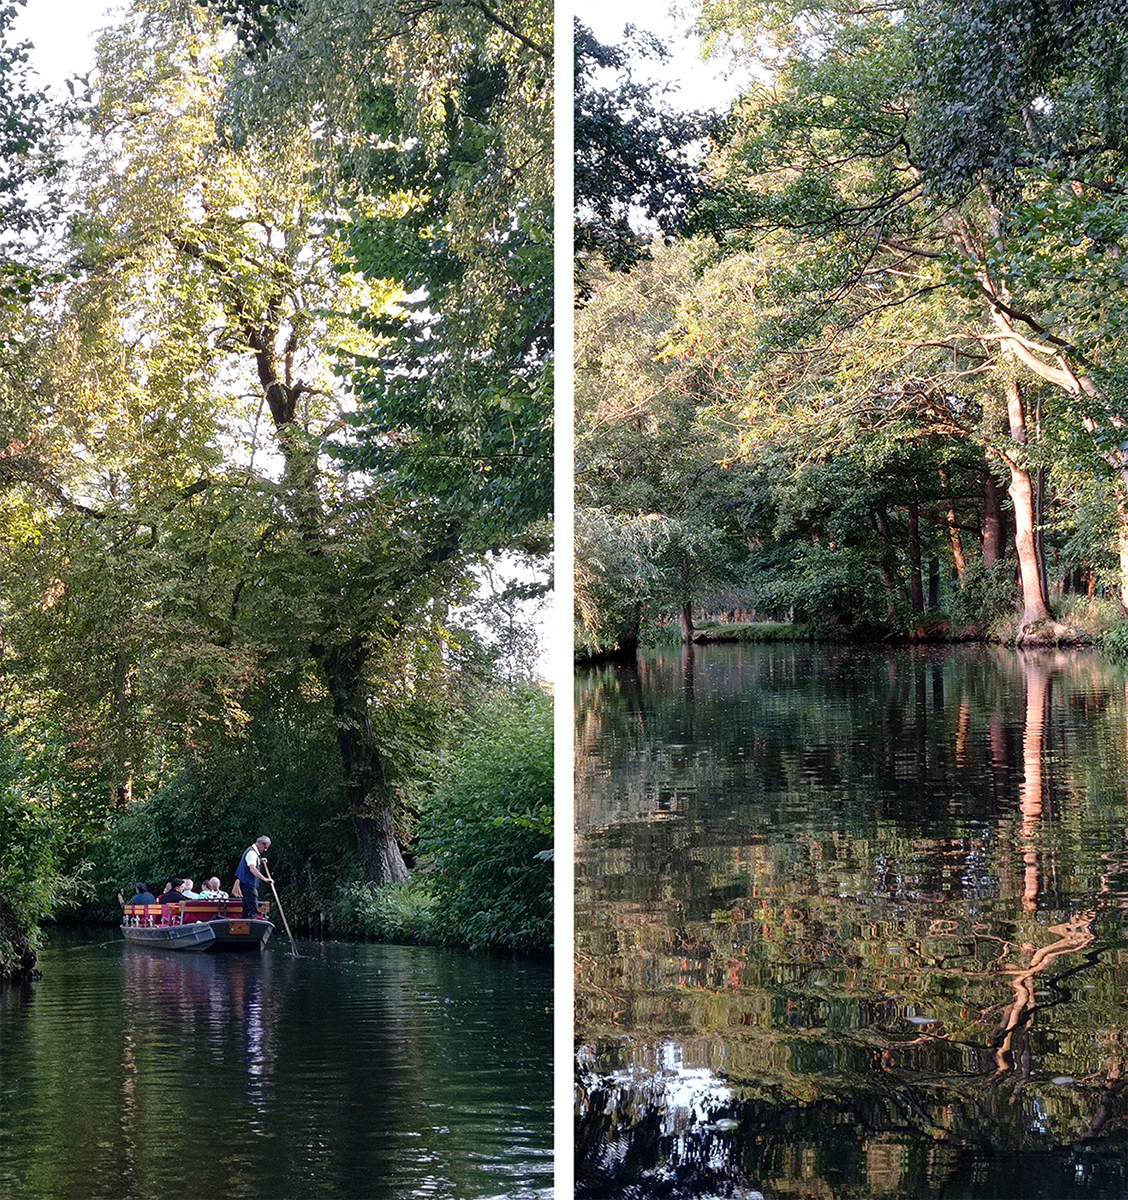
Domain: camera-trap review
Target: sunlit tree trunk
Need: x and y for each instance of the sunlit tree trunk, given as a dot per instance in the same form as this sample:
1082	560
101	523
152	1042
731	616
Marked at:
1035	606
1122	548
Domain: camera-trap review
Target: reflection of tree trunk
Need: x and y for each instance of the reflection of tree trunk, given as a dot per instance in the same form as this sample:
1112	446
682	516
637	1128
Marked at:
1108	1107
629	679
1074	936
1031	793
687	671
937	690
1000	756
920	682
962	727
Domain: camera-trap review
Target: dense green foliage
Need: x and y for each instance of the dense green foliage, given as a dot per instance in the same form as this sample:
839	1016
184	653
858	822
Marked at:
224	609
434	149
28	180
488	837
27	872
637	161
484	876
893	361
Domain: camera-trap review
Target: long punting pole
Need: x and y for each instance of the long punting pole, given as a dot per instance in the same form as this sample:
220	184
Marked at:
286	924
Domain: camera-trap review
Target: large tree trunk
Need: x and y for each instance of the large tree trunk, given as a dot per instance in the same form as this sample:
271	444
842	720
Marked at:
1122	543
994	522
891	574
365	778
379	849
1035	606
342	662
686	621
630	630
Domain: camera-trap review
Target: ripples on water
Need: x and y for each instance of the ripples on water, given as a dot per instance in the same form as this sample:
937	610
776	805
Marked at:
357	1071
852	924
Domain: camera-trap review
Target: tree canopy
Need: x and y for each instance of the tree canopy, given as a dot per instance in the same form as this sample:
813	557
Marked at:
637	160
286	389
912	234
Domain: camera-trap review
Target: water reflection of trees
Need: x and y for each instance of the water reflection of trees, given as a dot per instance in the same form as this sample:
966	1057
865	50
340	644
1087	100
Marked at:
887	902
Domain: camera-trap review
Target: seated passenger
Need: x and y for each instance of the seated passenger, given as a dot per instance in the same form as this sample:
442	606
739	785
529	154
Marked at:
186	889
172	893
211	890
141	895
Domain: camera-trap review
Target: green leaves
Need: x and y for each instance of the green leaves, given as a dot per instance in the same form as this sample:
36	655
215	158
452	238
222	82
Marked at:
636	159
182	549
456	401
492	819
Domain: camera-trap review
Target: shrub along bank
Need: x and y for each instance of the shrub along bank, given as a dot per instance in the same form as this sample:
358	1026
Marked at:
484	876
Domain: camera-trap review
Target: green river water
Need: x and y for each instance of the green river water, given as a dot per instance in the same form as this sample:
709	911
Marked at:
852	923
359	1071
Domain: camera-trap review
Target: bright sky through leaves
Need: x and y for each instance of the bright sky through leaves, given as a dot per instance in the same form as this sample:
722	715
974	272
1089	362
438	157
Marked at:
698	85
61	35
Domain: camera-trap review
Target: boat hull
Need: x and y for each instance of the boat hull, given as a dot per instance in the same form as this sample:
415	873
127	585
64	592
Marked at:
196	925
233	933
196	937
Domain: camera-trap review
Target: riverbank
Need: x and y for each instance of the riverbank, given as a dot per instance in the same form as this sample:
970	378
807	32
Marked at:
1079	621
410	914
1044	633
18	957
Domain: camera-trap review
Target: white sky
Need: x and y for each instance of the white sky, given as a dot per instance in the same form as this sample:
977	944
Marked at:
61	35
700	85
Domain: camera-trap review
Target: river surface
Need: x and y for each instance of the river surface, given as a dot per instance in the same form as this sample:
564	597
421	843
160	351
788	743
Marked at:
852	923
362	1071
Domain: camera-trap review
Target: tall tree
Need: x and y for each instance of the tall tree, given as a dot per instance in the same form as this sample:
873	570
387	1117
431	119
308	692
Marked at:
834	157
196	507
658	515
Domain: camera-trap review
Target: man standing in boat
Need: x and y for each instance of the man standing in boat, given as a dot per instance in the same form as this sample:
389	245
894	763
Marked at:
252	867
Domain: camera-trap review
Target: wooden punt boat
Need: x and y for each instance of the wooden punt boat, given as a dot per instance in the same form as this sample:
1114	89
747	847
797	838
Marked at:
196	925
